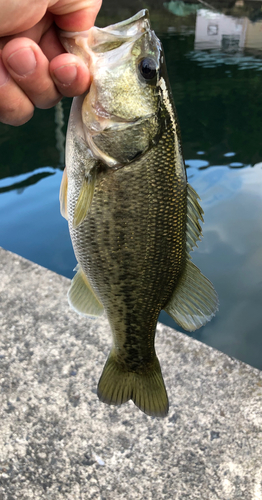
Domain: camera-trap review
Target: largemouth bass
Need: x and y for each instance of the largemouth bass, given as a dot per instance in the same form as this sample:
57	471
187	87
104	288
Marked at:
133	218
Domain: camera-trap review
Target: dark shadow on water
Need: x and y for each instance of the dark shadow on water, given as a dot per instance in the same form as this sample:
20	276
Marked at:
30	181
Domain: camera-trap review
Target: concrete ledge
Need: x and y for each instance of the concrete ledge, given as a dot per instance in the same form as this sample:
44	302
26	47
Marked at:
57	441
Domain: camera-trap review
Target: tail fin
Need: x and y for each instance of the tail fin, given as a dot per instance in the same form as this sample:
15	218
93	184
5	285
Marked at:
116	386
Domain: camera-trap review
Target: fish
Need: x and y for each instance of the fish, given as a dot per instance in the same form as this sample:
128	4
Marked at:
133	217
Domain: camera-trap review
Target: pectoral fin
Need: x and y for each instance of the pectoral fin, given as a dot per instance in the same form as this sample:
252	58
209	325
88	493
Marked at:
63	195
194	301
84	199
82	298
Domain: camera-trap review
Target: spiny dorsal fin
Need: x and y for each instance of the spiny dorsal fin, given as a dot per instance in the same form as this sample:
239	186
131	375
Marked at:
116	386
63	195
81	297
194	214
84	199
194	301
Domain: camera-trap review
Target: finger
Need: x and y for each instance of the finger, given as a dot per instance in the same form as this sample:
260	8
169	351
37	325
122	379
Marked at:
29	68
75	16
15	107
17	17
50	44
35	33
69	72
70	75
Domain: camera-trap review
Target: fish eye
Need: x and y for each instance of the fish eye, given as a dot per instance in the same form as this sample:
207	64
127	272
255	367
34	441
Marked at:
147	68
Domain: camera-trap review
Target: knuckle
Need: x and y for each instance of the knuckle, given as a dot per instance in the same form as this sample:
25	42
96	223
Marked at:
46	97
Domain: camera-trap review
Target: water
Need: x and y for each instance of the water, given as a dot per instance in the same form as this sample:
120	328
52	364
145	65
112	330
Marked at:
218	94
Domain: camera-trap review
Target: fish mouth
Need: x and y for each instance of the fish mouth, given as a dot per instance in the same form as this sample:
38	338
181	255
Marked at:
115	35
101	40
137	23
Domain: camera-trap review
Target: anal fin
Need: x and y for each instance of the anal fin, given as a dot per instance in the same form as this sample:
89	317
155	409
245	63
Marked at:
82	298
194	300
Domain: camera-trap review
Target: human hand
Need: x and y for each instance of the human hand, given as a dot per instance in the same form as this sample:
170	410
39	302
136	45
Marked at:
35	71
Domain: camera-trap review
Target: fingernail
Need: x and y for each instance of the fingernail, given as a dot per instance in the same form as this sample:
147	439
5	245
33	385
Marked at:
66	74
4	75
23	61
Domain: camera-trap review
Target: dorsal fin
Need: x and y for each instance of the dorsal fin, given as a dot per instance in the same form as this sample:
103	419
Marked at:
194	300
194	215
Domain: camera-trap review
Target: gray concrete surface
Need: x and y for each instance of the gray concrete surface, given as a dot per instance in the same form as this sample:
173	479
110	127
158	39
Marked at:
57	441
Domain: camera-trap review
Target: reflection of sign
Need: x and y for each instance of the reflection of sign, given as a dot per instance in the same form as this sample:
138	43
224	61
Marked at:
230	42
214	30
228	33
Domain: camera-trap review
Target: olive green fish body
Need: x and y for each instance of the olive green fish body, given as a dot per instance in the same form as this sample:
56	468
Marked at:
131	246
133	219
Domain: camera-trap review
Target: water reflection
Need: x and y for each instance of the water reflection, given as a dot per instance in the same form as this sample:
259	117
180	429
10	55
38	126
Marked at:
20	182
226	37
215	30
213	58
231	256
31	224
182	9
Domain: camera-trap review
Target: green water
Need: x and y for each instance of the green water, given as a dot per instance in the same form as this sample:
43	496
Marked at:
218	96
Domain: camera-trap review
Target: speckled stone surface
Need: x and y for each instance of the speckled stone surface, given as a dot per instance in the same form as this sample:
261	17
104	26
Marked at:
57	441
